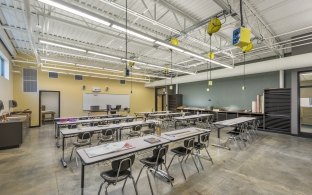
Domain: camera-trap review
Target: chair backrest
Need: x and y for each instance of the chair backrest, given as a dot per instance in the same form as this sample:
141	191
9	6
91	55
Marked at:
93	124
108	132
129	120
152	126
205	138
83	118
189	143
159	153
123	164
85	135
137	128
118	107
108	107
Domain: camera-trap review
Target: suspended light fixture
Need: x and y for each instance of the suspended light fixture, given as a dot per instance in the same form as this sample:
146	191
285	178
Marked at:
244	72
171	87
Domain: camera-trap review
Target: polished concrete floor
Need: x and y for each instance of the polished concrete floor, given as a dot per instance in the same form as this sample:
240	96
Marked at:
272	164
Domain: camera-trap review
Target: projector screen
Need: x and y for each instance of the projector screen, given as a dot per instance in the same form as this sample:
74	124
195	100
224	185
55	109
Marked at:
101	100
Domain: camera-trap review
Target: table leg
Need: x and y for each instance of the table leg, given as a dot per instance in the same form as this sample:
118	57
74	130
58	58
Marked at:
219	144
82	177
63	150
57	137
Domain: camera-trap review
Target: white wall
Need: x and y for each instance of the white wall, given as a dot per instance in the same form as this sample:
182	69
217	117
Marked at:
51	101
6	86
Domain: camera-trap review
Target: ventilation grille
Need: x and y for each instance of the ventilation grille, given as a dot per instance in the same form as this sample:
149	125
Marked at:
53	75
29	80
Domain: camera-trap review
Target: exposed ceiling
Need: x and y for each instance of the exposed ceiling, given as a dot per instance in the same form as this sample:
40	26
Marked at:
50	35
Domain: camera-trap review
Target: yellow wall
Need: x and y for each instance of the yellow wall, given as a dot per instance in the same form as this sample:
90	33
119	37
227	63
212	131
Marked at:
142	98
6	85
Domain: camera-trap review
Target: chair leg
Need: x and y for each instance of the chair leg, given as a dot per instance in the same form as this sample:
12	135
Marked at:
168	174
106	193
209	155
135	186
195	163
123	187
186	158
149	181
140	174
180	162
200	162
171	161
101	187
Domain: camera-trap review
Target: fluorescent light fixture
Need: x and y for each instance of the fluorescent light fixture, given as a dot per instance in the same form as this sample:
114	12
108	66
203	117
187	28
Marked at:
63	46
96	73
26	62
133	33
69	8
56	61
104	55
87	66
208	60
169	46
160	67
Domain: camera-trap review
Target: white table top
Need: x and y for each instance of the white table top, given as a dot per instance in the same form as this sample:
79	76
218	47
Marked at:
138	145
67	132
192	116
234	121
89	117
94	120
183	133
167	114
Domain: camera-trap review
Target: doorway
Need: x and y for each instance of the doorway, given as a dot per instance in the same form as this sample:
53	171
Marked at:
305	95
49	106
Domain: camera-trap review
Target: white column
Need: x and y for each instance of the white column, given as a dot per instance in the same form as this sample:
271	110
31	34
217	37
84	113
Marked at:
177	89
281	79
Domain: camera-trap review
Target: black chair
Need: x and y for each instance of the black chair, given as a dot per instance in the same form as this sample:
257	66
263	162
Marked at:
83	139
237	135
107	136
135	132
121	171
153	162
151	129
184	151
203	144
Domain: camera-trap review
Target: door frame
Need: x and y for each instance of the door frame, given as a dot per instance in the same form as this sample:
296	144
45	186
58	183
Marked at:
302	134
59	103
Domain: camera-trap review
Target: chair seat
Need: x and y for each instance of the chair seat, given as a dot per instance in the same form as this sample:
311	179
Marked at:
151	161
148	131
111	175
181	150
106	139
81	143
199	146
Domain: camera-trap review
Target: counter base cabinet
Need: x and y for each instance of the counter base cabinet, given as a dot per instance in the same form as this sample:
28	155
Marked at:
11	134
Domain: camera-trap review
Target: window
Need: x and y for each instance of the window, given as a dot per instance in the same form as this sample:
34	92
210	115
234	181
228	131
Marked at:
53	75
78	77
29	80
4	67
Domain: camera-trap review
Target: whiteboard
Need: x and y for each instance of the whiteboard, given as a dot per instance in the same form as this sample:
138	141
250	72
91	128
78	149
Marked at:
101	99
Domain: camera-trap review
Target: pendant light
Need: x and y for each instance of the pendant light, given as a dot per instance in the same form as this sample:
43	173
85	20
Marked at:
244	72
171	87
209	81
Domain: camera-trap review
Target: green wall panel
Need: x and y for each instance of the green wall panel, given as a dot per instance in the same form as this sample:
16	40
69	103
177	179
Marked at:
228	91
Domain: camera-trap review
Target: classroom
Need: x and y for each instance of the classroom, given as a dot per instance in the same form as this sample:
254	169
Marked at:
160	97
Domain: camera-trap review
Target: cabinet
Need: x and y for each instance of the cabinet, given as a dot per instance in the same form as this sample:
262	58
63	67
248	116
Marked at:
174	101
277	110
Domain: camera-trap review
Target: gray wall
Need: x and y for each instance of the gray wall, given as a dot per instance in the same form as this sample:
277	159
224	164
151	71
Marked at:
228	91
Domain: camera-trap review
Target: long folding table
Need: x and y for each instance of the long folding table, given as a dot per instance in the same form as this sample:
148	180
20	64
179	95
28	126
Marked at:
65	123
66	133
189	117
228	123
138	145
146	114
170	114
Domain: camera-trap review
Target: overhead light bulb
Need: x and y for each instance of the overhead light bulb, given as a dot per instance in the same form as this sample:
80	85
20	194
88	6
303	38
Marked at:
208	89
243	88
170	87
210	83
